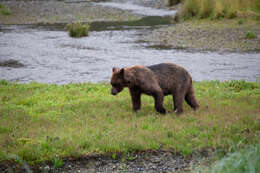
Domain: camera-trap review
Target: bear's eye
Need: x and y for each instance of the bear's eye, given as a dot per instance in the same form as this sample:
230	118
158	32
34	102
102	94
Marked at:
117	86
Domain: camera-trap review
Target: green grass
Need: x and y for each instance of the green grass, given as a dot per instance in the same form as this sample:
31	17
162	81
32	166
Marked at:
57	162
48	122
4	10
78	29
218	9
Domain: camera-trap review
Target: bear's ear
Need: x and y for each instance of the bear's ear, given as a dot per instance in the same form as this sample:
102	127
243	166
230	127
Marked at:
122	71
114	69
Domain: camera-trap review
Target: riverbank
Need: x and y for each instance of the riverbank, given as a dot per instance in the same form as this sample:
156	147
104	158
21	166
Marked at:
208	35
55	12
43	124
200	35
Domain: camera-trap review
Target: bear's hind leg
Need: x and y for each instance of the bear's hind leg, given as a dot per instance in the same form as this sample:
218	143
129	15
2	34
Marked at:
158	98
191	100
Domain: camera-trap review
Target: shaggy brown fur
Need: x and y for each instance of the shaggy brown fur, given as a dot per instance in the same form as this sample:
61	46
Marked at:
158	81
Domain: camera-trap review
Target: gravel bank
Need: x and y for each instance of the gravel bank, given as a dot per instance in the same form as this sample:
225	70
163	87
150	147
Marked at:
205	35
53	11
144	162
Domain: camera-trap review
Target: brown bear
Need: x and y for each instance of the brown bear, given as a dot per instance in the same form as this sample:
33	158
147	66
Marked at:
158	81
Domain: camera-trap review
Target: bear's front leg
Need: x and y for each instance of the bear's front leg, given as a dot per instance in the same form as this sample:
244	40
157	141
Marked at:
158	98
136	98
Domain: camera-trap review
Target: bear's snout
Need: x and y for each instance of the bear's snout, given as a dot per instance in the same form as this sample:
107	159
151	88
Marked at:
114	91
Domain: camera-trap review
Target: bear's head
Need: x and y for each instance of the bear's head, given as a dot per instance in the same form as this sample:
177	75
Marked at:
120	78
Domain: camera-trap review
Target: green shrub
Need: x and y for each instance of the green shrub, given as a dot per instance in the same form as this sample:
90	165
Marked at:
78	29
241	22
3	82
250	35
4	10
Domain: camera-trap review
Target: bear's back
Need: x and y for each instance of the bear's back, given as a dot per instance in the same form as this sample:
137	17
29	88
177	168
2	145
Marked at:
170	76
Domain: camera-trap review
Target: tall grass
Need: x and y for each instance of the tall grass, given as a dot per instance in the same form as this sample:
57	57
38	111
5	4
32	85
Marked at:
215	9
48	122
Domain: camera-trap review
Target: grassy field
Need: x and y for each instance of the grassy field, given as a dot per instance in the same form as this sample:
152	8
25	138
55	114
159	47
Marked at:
48	122
216	9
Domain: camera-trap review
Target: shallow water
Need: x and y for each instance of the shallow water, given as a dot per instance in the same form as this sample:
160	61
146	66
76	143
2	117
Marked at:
137	9
51	56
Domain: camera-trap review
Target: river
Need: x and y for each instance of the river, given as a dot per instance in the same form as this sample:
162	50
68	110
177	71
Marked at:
49	55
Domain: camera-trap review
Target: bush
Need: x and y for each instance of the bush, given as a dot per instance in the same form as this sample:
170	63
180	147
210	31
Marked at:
78	29
250	35
3	82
